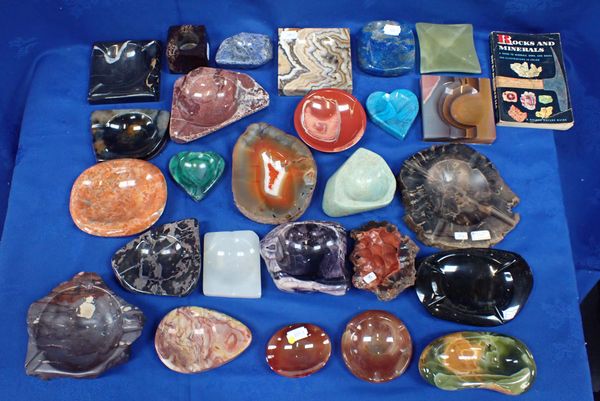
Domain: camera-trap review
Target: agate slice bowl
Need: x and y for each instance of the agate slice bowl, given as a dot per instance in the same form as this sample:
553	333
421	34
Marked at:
135	133
80	330
455	198
376	346
482	287
118	198
330	120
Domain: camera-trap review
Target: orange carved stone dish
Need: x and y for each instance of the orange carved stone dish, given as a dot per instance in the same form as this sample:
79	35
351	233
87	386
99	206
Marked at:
118	198
274	175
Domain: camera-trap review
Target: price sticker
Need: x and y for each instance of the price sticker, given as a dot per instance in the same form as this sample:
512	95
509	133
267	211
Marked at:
288	35
461	236
392	30
297	334
369	278
482	235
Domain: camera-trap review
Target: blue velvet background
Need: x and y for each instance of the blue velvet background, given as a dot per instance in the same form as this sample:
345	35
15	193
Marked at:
41	246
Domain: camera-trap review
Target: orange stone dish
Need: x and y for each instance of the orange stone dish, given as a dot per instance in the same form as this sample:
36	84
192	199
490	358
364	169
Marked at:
118	198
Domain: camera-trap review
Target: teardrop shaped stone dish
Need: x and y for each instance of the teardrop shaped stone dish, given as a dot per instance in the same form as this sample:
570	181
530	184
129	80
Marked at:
117	198
132	133
473	359
192	339
454	197
196	172
376	346
80	330
482	287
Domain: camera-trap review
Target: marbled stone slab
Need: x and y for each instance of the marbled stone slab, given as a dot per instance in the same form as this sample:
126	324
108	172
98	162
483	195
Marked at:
187	48
386	48
245	50
313	58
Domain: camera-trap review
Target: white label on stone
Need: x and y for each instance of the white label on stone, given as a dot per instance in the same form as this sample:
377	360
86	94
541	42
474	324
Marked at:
482	235
461	236
369	278
297	334
393	30
288	35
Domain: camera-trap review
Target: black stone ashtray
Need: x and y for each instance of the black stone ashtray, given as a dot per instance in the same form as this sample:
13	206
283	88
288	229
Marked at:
187	48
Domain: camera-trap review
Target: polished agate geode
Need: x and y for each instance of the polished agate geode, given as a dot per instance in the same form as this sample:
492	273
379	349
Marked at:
80	330
307	256
454	197
383	259
273	175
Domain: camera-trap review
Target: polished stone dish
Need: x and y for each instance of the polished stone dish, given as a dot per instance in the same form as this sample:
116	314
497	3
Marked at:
298	350
376	346
208	99
80	330
123	72
454	197
117	198
393	112
273	175
131	133
245	50
196	172
187	48
482	287
383	260
386	48
191	339
472	359
307	256
162	261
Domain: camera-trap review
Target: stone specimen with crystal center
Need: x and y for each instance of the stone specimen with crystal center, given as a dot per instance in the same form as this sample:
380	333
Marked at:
386	48
245	50
273	175
307	256
80	330
196	172
383	259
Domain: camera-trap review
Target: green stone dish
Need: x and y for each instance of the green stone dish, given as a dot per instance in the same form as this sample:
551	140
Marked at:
196	172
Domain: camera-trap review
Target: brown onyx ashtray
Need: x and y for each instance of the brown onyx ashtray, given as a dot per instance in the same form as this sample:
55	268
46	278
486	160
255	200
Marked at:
454	197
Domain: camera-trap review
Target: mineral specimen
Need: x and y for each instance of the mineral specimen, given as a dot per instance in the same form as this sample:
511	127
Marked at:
386	48
528	100
509	96
393	112
481	287
454	197
313	58
298	350
273	175
125	72
80	330
545	99
162	261
208	99
196	172
376	346
364	182
544	112
117	198
524	70
245	50
187	48
517	114
383	260
192	339
471	359
307	256
231	265
133	133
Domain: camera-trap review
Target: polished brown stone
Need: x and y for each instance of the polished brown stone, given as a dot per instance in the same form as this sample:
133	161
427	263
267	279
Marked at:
376	346
298	350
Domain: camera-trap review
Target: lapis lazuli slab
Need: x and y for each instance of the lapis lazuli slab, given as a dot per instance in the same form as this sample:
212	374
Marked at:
386	48
393	112
245	50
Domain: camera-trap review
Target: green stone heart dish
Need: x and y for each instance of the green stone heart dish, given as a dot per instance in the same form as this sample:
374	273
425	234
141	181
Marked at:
196	172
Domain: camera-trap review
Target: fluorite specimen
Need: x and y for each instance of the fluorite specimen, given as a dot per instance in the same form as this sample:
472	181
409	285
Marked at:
245	50
162	261
383	259
313	58
447	48
471	359
482	287
364	182
187	48
393	112
454	197
307	256
298	350
80	330
273	175
133	133
118	198
231	265
196	172
376	346
208	99
386	48
125	72
191	339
